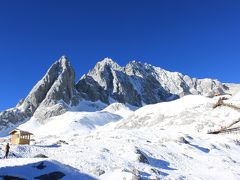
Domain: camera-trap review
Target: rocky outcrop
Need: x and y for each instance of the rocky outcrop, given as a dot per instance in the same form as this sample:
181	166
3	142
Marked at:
56	91
138	84
108	80
51	96
13	116
141	156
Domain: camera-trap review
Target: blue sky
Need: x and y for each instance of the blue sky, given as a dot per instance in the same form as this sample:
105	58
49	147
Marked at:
199	38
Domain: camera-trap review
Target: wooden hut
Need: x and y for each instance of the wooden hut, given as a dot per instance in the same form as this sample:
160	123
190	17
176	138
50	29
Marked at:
20	137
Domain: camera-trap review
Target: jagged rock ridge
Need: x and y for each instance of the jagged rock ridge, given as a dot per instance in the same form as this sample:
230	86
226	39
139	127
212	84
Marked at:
51	96
138	84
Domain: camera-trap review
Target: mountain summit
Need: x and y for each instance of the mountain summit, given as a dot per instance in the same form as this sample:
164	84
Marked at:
51	96
136	84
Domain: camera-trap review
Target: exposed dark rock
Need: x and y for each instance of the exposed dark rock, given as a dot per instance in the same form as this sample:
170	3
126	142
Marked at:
237	142
91	90
61	142
40	156
98	172
183	140
156	171
142	157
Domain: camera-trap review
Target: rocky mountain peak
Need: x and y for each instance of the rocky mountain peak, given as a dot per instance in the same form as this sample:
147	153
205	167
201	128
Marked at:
51	96
138	68
64	62
141	83
60	92
63	59
136	64
107	63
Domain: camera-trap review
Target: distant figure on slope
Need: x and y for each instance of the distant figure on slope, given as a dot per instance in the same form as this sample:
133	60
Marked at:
7	150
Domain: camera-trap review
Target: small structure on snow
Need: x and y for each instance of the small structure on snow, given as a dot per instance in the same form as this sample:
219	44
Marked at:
20	137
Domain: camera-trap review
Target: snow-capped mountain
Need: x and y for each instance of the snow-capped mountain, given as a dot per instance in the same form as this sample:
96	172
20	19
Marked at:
113	124
138	84
51	96
135	84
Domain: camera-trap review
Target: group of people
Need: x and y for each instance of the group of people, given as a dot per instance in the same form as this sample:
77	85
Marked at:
7	147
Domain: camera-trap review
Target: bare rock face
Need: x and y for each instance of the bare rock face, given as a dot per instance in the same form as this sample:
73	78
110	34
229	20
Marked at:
51	96
56	91
138	84
12	116
112	84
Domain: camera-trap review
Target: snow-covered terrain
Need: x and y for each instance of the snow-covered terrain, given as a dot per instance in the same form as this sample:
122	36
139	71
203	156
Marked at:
161	141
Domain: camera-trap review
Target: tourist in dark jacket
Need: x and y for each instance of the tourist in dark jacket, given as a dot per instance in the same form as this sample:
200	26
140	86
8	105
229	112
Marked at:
7	150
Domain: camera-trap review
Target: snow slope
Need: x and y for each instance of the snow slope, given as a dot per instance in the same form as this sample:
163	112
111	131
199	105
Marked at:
71	123
191	113
162	141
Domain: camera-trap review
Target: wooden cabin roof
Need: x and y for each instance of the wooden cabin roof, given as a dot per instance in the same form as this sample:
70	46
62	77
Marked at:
18	130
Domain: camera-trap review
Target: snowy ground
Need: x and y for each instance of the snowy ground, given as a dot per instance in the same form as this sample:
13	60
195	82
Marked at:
162	141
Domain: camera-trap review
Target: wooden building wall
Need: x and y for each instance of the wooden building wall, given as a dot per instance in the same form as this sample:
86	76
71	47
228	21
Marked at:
15	138
19	138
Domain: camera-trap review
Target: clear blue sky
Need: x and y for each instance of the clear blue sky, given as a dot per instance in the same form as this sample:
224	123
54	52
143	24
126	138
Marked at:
200	38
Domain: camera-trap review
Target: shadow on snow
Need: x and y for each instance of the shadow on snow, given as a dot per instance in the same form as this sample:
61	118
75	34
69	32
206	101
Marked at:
43	169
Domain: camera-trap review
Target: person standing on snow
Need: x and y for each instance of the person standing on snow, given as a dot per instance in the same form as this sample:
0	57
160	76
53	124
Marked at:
7	150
